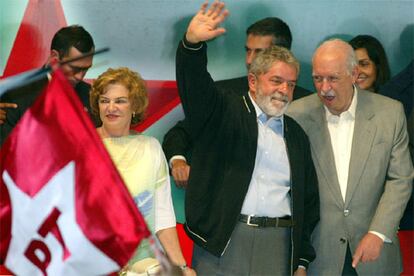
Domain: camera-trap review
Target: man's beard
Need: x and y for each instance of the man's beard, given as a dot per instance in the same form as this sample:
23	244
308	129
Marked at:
266	103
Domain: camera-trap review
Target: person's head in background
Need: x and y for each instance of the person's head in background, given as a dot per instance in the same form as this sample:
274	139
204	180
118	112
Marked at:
373	65
70	42
264	33
119	99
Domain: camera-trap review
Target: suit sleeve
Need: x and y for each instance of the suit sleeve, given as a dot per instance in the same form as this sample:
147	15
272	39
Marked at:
411	134
24	97
177	141
311	217
398	182
12	117
198	93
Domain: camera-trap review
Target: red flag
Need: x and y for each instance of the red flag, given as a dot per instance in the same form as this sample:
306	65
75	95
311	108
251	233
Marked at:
64	209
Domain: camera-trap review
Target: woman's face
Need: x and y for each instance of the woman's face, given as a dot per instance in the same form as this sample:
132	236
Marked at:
367	70
115	110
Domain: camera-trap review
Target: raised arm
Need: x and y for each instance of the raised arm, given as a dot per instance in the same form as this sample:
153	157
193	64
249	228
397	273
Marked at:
197	90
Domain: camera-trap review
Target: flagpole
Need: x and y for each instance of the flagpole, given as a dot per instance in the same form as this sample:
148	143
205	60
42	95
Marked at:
36	74
94	53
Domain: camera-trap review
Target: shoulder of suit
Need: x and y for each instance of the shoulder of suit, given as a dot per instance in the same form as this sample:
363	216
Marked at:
290	121
83	86
232	80
26	93
376	100
301	92
238	86
292	124
305	104
302	109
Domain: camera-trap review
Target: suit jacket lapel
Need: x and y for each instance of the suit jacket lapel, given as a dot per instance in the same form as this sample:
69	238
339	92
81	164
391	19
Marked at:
322	150
364	133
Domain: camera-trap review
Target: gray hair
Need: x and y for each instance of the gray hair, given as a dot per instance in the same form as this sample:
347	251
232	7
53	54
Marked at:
265	59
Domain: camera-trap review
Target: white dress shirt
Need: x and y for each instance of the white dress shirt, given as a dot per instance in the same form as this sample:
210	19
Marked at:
268	193
341	130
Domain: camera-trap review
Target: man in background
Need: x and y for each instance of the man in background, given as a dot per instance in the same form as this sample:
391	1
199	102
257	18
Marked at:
69	42
401	88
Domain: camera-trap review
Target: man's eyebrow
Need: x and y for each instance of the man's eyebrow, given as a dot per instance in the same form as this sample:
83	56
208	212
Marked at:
283	79
80	67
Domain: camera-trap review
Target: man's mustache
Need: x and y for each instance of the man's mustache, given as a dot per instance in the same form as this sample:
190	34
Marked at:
329	93
280	97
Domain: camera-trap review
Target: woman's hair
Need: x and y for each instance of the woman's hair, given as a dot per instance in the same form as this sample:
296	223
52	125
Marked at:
377	54
137	91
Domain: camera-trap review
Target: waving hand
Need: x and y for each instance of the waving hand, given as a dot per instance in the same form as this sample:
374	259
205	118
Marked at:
205	24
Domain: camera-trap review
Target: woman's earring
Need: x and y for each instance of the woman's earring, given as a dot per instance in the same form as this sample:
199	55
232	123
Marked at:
133	114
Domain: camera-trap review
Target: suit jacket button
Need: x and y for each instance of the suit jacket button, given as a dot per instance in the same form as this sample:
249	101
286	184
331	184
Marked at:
342	240
346	213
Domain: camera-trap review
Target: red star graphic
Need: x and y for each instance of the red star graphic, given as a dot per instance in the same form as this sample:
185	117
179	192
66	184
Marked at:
31	47
41	20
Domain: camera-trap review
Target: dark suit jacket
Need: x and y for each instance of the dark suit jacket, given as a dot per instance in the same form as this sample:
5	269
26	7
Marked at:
401	88
224	157
177	140
26	95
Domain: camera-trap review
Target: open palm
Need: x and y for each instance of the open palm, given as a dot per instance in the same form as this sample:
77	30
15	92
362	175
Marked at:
205	24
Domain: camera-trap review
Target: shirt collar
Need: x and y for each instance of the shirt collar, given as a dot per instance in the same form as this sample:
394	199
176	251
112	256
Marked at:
49	76
348	114
261	115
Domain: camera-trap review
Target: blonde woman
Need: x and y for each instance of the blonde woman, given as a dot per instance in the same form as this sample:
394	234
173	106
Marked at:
119	98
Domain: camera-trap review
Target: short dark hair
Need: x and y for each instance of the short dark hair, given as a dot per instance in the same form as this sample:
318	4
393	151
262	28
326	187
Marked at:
376	53
72	36
275	27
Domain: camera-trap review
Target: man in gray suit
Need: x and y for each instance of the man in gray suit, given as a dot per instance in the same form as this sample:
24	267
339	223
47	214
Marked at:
359	146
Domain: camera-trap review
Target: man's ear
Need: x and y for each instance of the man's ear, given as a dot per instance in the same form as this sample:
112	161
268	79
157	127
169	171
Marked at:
354	74
54	57
252	82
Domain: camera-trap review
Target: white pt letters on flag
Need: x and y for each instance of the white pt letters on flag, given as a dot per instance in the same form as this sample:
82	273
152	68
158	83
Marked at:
53	222
48	226
64	209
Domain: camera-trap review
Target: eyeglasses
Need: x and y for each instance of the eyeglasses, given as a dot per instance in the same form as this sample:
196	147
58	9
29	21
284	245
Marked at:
329	79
